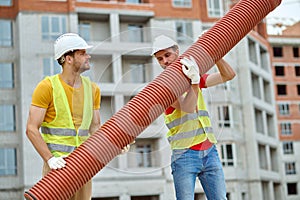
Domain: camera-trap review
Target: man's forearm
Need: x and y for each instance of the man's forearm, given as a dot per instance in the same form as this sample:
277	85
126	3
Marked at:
226	71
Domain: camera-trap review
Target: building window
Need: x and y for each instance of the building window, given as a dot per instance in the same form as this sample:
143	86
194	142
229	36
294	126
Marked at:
7	75
290	168
244	196
108	104
134	1
277	52
214	8
8	164
279	70
296	52
281	90
135	33
228	86
223	116
266	91
256	89
105	198
143	155
128	98
136	70
284	108
182	3
5	2
6	33
50	67
149	197
298	89
259	120
292	188
53	26
138	73
288	147
264	58
252	51
286	128
199	196
227	153
7	118
297	70
184	31
85	30
262	156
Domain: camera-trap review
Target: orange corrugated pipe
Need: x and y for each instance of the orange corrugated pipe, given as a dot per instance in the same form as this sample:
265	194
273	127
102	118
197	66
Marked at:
146	106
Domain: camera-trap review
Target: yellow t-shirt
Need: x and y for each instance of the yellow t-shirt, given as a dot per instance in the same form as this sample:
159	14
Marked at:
43	97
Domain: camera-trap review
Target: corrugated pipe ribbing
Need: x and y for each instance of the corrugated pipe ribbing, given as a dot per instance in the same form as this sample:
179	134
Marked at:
146	106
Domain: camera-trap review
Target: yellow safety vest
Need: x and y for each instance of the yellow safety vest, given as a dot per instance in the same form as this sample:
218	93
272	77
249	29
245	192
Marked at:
189	129
60	134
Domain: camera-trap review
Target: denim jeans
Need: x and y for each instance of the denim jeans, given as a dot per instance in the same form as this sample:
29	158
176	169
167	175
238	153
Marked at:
188	164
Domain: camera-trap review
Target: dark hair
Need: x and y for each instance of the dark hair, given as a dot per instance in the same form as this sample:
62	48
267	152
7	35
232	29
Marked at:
174	47
62	59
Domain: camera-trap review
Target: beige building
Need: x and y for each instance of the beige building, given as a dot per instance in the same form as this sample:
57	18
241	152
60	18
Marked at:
243	110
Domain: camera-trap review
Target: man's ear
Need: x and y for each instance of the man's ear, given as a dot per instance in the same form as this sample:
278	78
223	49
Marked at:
68	59
177	51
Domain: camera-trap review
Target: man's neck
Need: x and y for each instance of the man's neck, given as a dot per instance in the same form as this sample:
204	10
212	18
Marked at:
73	80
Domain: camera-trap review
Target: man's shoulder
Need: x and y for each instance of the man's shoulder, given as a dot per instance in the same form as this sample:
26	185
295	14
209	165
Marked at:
45	83
95	85
42	94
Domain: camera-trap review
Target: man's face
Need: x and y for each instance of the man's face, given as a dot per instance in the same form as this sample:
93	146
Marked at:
166	57
81	61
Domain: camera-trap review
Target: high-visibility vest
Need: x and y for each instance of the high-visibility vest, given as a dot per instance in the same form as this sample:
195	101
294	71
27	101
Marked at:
60	134
189	129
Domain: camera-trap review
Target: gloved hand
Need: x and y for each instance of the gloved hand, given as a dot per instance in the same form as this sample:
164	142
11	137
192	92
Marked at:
190	69
125	149
56	162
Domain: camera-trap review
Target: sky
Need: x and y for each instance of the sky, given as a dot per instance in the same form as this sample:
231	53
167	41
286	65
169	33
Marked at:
286	14
287	9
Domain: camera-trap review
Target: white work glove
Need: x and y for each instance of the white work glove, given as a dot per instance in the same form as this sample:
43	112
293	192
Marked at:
56	162
125	149
190	69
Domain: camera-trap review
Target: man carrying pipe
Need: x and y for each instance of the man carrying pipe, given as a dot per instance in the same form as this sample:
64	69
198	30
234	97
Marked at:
190	134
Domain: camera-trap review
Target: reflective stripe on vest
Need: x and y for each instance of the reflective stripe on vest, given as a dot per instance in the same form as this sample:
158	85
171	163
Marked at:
60	134
185	118
63	131
188	129
60	148
190	134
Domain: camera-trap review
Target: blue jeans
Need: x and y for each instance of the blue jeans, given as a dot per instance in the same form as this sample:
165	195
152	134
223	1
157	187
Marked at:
188	164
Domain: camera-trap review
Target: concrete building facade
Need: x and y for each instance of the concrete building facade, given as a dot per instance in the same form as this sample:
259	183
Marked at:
243	110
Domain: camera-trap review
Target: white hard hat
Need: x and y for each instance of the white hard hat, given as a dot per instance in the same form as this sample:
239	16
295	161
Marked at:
162	42
68	42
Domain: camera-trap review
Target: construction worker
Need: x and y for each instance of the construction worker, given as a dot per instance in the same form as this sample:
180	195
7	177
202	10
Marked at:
190	134
66	108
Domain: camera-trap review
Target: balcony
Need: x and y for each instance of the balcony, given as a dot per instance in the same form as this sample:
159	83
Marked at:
141	5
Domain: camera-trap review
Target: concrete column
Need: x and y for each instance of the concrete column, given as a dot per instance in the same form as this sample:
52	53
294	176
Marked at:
117	67
122	161
73	23
271	190
114	24
125	197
